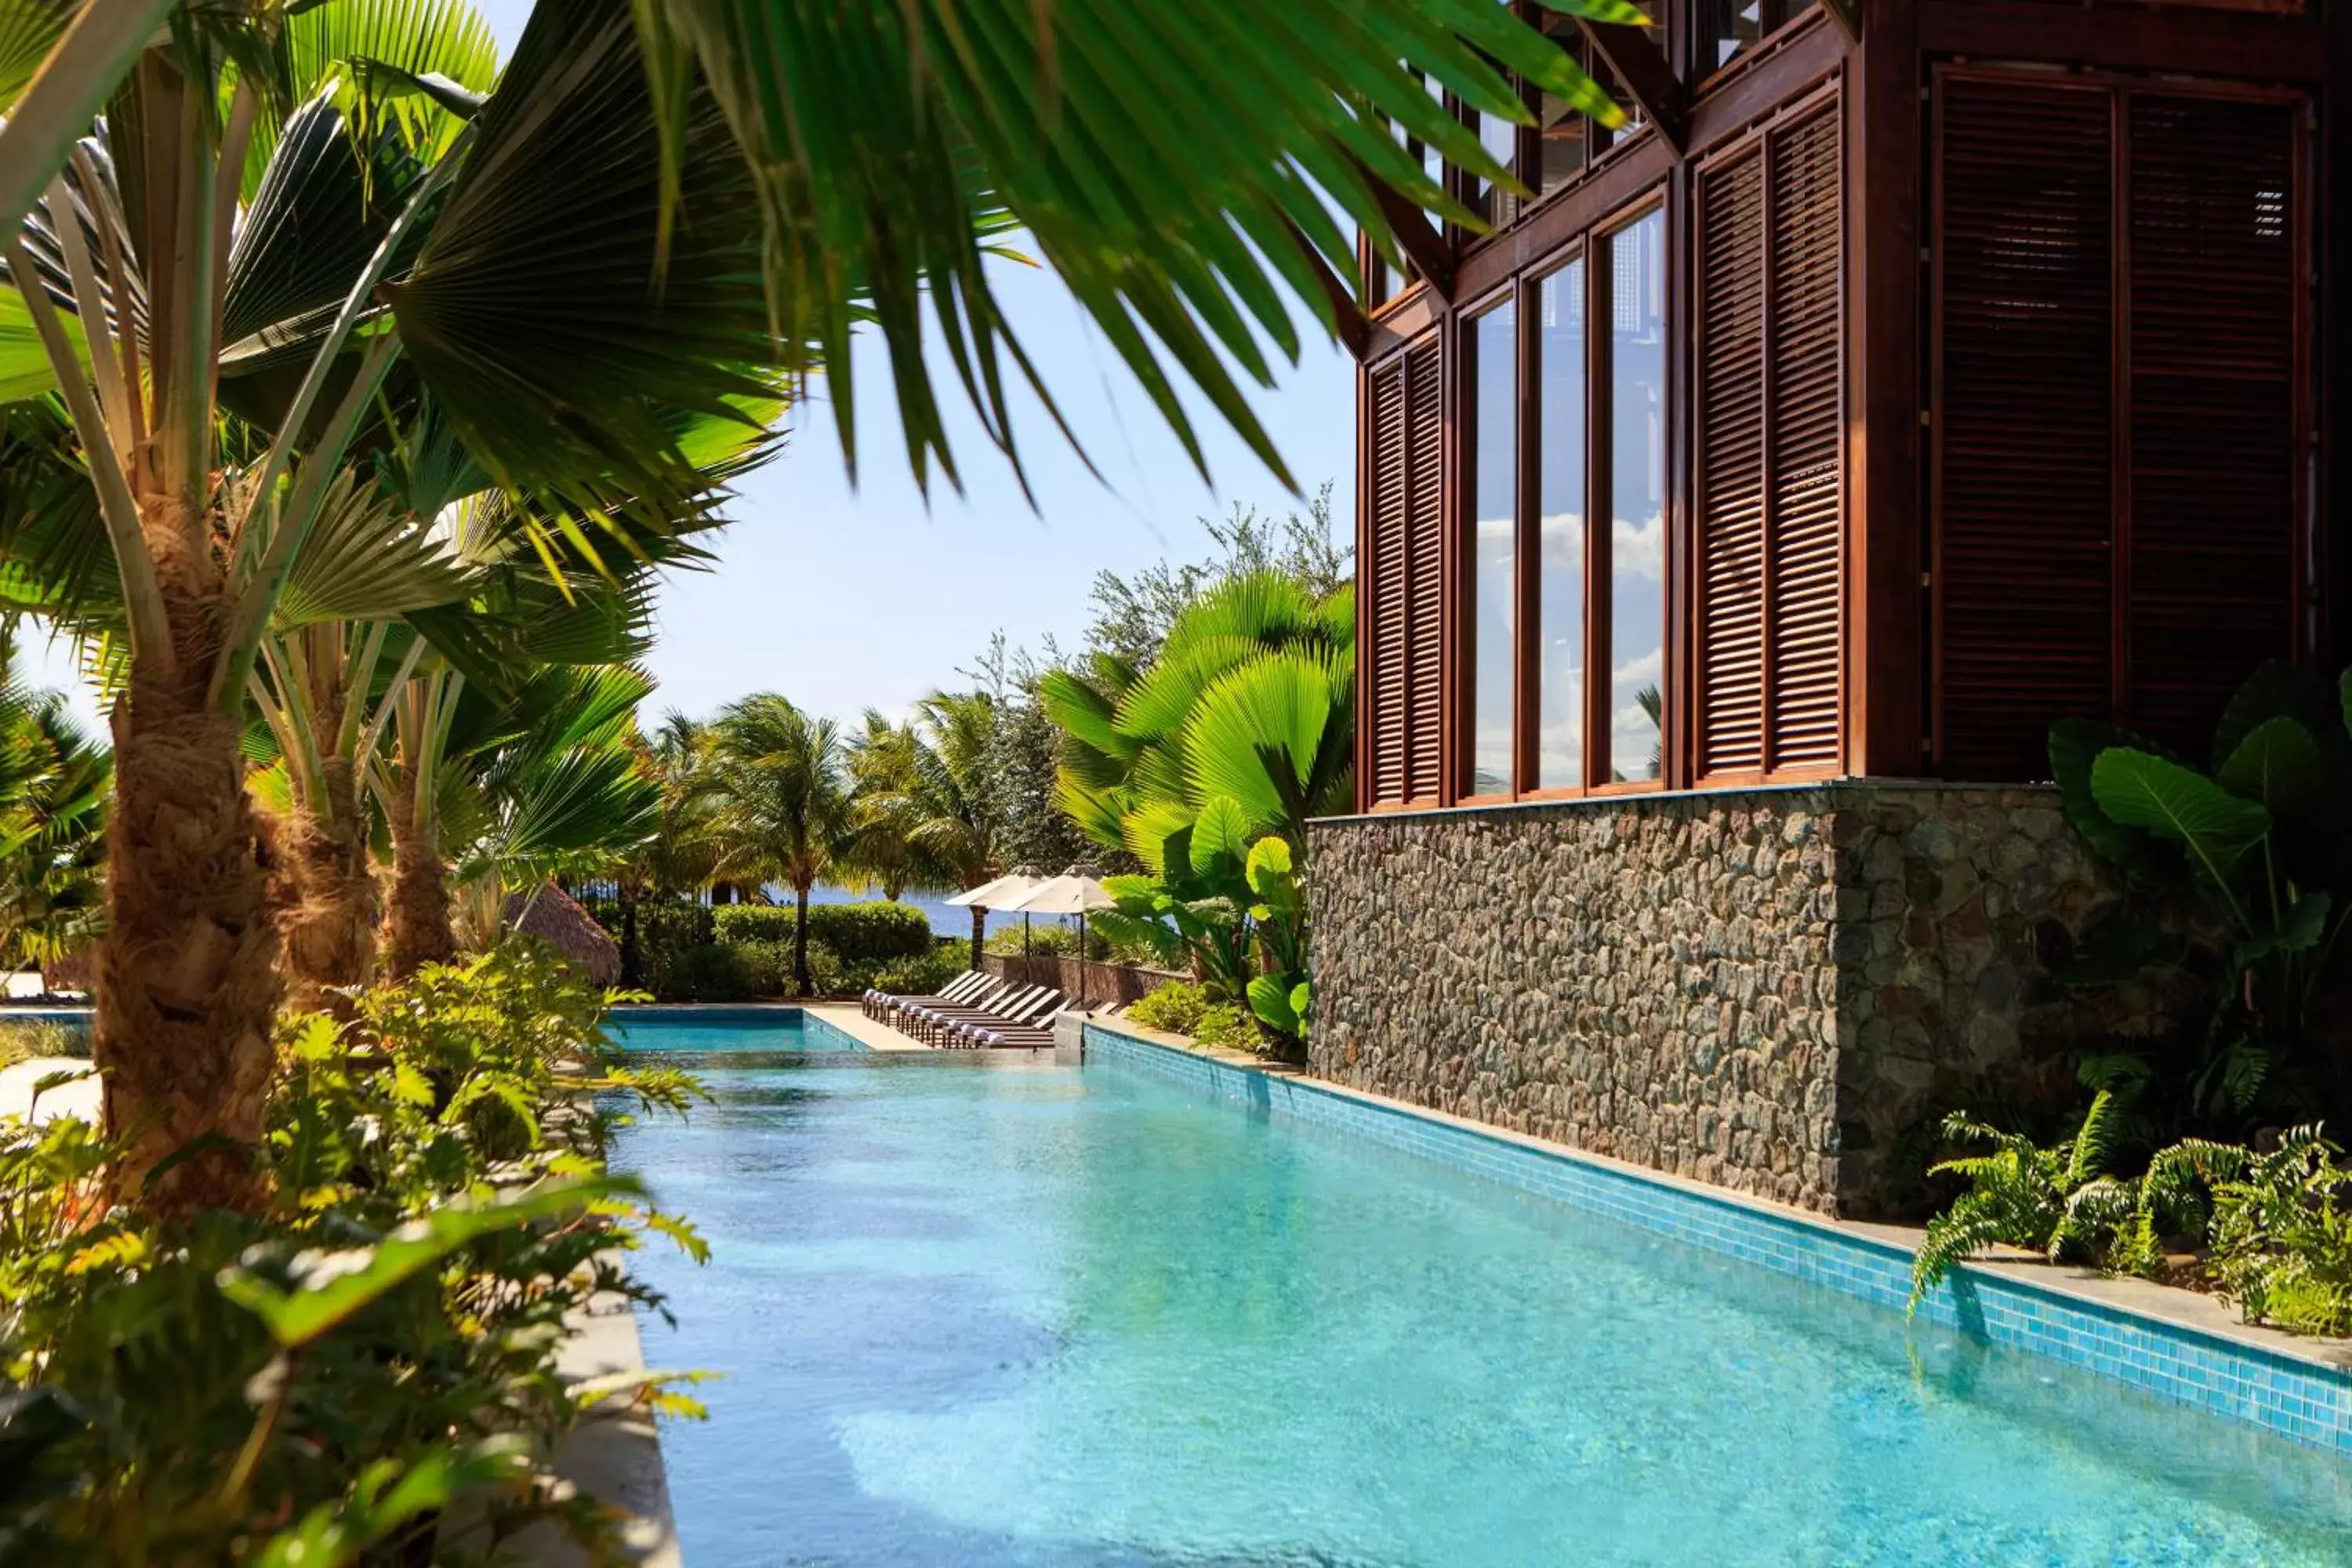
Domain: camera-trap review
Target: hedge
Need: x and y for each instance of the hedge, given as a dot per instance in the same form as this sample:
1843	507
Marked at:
854	932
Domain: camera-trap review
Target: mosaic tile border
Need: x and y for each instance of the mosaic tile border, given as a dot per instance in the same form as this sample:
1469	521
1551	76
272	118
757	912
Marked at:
2301	1400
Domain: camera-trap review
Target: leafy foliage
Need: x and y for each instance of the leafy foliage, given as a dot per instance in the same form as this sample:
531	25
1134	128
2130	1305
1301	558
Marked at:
55	789
2060	1201
1183	1008
853	931
2264	841
325	1378
2282	1237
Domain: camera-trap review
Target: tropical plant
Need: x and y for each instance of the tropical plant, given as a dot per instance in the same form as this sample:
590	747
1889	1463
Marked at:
2061	1200
2264	841
1133	615
2281	1233
343	1373
547	788
54	789
777	773
758	186
1206	767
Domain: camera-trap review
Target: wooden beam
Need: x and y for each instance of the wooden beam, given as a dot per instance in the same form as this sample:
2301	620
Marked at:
1847	15
1634	54
1346	317
1420	238
2218	43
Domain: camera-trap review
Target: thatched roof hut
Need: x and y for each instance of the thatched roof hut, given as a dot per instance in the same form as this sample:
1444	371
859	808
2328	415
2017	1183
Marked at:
555	917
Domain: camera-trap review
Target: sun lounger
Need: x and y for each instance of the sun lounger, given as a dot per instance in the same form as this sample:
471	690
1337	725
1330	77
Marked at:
904	1013
1029	1016
930	1023
876	1002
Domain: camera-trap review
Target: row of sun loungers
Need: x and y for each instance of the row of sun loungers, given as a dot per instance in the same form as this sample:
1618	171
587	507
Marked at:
973	1011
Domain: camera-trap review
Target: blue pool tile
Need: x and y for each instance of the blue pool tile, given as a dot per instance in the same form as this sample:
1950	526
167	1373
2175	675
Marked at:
2307	1403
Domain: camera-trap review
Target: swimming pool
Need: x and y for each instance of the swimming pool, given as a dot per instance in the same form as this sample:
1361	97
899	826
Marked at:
1048	1317
699	1030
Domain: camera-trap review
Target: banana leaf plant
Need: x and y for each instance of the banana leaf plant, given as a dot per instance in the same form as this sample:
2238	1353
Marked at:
2262	840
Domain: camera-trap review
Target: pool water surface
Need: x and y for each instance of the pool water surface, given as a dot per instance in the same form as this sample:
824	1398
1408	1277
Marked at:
1050	1317
697	1031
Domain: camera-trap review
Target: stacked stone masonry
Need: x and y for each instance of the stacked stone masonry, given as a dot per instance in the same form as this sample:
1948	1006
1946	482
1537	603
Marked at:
1773	990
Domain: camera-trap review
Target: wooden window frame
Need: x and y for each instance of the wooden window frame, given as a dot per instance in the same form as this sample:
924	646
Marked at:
1462	602
1461	381
1530	696
1600	396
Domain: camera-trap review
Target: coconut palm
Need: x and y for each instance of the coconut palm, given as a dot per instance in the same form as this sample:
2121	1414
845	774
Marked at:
923	801
54	787
884	763
783	800
217	295
557	797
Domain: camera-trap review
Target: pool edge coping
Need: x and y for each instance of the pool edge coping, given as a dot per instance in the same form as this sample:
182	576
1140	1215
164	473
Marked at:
1954	1303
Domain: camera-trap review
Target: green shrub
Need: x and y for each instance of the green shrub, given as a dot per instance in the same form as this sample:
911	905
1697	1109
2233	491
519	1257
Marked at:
2281	1233
1176	1008
712	972
323	1380
922	975
22	1039
876	929
2061	1200
1222	1024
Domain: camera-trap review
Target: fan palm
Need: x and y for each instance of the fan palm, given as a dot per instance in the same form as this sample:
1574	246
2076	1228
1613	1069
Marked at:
783	801
731	190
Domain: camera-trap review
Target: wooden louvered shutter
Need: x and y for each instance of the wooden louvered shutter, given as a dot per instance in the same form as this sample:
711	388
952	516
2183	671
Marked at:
1808	438
1730	685
2023	423
2214	412
1406	609
1386	577
1425	523
1770	437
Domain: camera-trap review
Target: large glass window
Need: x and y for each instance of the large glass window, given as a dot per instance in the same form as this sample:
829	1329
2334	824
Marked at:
1494	529
1636	281
1559	372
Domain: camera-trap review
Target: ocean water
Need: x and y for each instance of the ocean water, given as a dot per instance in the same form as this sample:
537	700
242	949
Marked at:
1052	1318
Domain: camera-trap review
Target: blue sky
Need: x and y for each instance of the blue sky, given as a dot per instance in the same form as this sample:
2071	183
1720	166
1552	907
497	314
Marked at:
841	597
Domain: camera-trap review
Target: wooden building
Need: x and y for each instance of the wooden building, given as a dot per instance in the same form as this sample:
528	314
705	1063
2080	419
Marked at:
1940	369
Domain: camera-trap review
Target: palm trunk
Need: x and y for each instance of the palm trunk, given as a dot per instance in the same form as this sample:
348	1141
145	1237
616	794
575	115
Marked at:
419	930
799	944
631	963
978	929
330	928
187	979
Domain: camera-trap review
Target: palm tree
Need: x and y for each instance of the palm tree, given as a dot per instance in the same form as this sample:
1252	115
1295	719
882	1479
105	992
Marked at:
783	802
884	763
557	796
1251	699
218	298
54	788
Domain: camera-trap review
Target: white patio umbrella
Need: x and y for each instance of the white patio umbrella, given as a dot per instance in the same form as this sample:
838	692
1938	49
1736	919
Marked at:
1071	893
1000	894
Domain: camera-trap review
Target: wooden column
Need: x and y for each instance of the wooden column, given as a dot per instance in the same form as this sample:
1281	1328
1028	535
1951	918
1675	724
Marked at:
1886	649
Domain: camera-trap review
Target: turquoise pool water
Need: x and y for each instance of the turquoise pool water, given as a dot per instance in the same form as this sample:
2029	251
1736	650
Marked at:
1046	1318
721	1030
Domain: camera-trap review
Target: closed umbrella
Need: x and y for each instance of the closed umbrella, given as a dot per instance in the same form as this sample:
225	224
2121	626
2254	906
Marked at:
1071	893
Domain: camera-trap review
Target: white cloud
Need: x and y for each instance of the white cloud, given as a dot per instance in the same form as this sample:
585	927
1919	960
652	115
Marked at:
1639	550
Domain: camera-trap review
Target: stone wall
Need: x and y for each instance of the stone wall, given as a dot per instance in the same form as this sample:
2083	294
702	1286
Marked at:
1773	990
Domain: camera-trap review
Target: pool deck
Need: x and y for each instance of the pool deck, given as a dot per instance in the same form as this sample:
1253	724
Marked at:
2193	1310
851	1020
